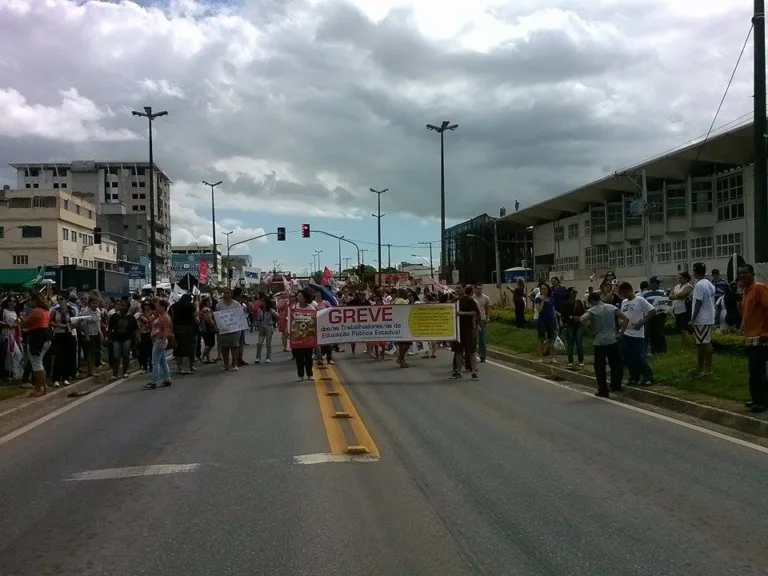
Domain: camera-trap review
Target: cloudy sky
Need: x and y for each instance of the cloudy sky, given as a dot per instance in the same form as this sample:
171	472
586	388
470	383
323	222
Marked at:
301	106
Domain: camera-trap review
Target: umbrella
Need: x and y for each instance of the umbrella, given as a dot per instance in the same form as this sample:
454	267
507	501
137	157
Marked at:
326	292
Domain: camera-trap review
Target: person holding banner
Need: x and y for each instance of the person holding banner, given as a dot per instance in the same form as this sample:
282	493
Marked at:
465	348
229	342
303	356
323	351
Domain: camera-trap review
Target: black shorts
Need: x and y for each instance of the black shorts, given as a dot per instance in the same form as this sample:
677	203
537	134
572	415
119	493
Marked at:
209	338
546	330
467	344
683	322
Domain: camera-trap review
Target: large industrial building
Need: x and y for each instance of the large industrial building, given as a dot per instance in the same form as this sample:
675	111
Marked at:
698	208
120	192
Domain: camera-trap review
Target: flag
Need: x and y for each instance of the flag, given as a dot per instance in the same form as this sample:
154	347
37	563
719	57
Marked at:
326	277
286	284
202	273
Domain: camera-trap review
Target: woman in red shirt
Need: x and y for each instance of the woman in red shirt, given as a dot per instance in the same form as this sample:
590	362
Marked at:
37	334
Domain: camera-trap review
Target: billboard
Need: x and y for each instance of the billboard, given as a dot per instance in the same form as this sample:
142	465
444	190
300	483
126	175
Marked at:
189	263
134	271
252	275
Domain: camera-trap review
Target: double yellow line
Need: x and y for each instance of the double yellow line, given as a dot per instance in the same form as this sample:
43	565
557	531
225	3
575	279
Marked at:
336	409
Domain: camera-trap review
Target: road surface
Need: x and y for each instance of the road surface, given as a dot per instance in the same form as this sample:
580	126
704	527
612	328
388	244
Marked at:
508	475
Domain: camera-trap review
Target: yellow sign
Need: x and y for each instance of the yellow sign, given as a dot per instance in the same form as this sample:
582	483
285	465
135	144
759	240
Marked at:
431	321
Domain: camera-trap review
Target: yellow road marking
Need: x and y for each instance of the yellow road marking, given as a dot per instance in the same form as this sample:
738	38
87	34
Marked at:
336	440
336	436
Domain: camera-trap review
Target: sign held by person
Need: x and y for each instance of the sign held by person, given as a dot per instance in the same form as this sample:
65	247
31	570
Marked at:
398	323
231	320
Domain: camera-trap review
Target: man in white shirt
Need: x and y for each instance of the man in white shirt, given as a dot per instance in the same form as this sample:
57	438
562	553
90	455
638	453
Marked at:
484	304
703	316
637	311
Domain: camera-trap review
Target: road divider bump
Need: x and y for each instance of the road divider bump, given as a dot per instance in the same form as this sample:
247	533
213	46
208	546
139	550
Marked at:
336	408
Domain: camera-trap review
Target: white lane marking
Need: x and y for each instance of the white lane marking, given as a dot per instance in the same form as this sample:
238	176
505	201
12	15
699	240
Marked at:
132	472
333	458
669	419
60	411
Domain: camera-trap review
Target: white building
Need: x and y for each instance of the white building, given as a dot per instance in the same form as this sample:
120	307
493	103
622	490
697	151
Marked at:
699	208
116	189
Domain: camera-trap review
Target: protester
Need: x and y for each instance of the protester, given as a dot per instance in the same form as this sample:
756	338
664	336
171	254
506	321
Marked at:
229	344
185	327
466	347
237	295
64	346
162	327
265	319
403	347
283	308
682	307
654	333
37	333
518	299
92	328
703	317
322	351
123	333
207	330
636	311
484	305
144	319
754	310
720	284
602	318
573	310
546	325
303	356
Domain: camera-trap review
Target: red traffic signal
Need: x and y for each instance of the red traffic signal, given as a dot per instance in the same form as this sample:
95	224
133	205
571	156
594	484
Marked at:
305	230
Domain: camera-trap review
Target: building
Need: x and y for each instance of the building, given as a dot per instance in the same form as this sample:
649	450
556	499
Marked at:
239	265
186	259
117	189
699	207
470	251
47	227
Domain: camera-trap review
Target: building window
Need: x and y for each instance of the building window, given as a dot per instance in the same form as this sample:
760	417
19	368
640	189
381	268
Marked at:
65	233
616	258
701	196
63	184
676	203
701	248
135	208
142	184
134	185
730	197
74	236
35	185
135	196
566	263
596	256
655	207
559	230
32	232
679	251
587	230
598	220
77	208
65	260
90	214
29	185
55	185
2	231
615	216
66	204
663	253
573	231
142	196
22	260
144	209
727	244
114	184
629	218
44	202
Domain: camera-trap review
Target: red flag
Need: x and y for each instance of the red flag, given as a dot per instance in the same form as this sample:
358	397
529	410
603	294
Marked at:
326	277
202	273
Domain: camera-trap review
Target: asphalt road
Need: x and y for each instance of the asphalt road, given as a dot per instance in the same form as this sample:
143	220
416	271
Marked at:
508	475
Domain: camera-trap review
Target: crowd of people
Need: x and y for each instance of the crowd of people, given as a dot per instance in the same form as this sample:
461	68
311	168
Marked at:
629	324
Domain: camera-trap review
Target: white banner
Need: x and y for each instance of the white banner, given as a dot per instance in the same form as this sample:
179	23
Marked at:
396	323
231	320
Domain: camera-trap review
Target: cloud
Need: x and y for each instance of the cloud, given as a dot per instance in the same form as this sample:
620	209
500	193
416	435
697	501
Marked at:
188	227
300	106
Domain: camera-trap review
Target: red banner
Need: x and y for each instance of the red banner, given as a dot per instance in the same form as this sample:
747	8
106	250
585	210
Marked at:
303	326
326	277
202	274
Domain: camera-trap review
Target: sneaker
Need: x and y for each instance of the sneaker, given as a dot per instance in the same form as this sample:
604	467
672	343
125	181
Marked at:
300	379
257	361
56	384
581	364
167	383
331	362
570	365
474	376
455	376
235	368
482	360
66	383
602	394
267	360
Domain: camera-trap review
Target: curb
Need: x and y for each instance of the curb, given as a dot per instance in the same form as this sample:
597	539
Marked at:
740	422
86	384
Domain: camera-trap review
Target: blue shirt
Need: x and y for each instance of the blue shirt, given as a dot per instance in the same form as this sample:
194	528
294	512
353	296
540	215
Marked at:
547	314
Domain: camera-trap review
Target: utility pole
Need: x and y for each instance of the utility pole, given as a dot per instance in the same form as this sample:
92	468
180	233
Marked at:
346	263
149	115
213	221
362	255
761	153
378	217
431	267
446	125
229	265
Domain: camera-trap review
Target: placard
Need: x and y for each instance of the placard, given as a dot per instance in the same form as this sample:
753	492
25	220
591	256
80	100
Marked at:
231	320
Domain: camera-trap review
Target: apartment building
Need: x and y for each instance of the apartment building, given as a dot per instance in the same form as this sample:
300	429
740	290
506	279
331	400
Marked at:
50	227
116	188
698	207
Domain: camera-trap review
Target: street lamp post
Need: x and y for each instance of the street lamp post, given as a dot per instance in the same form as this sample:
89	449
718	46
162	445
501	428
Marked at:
213	220
446	125
149	115
378	217
229	267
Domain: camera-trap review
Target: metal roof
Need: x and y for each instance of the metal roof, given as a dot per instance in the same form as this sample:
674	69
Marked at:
732	146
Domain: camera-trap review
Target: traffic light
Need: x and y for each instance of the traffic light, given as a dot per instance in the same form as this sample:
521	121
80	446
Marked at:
97	235
305	230
281	234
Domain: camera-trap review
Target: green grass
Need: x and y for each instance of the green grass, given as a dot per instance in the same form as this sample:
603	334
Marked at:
11	391
729	378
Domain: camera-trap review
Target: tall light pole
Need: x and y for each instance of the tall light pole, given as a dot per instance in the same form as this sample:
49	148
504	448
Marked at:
761	150
149	115
378	217
317	255
446	125
213	219
340	239
362	252
229	267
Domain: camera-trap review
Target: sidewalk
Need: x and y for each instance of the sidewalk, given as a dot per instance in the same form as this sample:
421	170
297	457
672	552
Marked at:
716	410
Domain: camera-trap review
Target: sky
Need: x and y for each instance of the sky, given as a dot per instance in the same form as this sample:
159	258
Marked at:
300	107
